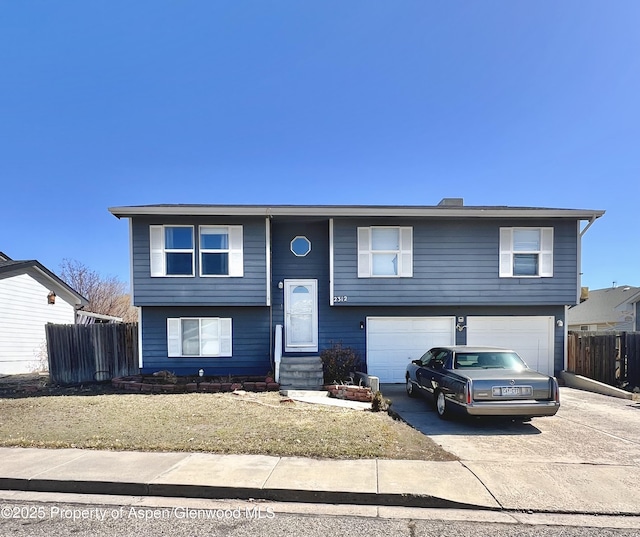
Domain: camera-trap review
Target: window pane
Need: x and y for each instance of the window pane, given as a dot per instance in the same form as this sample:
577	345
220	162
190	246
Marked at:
215	264
385	239
178	238
190	338
525	264
209	340
301	327
526	240
214	238
179	263
301	301
300	246
384	264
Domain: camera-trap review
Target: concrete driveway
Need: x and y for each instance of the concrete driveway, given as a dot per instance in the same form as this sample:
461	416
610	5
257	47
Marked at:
588	429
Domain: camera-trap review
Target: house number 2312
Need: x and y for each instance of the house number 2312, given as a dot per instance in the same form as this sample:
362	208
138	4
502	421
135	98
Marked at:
340	298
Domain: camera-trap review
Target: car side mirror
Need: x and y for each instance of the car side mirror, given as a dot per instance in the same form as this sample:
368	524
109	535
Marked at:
416	362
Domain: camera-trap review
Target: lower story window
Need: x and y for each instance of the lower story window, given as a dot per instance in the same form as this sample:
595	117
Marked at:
199	336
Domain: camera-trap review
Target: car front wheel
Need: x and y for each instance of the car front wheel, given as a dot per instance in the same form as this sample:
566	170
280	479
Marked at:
441	405
411	389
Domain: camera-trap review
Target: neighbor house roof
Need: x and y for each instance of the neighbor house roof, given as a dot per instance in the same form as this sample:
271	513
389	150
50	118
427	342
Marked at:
9	267
444	210
602	306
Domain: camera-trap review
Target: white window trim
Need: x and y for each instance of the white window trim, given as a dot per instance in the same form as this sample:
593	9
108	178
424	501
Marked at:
174	337
157	252
545	253
235	251
295	239
365	252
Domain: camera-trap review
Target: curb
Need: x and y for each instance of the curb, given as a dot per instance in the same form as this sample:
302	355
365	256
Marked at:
275	495
220	493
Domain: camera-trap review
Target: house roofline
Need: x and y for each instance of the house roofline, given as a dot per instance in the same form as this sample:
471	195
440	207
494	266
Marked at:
633	298
17	266
354	211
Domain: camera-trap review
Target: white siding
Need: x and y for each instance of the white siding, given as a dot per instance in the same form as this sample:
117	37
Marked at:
24	311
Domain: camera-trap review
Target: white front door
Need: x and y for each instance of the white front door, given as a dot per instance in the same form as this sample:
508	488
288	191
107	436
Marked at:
301	315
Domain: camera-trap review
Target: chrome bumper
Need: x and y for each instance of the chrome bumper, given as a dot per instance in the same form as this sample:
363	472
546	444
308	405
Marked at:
530	409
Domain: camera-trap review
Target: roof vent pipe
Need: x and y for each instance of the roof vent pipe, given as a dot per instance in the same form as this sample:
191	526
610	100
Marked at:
451	202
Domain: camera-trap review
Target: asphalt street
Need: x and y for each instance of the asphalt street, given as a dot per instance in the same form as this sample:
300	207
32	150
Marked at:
57	515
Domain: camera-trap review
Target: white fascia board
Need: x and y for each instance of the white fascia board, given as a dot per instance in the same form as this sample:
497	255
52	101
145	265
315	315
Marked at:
353	211
72	298
633	298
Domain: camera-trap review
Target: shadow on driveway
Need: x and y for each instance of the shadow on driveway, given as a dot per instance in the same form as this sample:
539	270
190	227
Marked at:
420	414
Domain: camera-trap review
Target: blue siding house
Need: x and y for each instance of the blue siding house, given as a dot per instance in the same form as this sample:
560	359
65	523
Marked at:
232	289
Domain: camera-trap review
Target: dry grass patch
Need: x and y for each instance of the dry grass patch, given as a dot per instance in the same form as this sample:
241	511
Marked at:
215	423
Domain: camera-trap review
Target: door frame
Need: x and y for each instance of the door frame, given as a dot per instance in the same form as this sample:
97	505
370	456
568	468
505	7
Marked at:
312	346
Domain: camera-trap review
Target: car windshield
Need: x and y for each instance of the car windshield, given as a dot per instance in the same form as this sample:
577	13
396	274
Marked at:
489	360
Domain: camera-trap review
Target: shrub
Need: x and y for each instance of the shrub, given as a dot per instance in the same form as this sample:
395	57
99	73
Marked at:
379	403
338	362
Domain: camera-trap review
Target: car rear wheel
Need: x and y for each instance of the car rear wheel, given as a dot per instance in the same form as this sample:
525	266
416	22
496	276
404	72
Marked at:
441	405
411	389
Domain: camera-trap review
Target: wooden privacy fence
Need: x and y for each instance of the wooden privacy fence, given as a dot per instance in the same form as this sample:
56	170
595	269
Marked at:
612	358
97	352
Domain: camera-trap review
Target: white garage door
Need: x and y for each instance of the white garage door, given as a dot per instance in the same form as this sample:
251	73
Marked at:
392	342
530	336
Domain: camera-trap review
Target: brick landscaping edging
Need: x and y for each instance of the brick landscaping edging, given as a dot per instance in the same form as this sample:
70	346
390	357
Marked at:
137	384
349	392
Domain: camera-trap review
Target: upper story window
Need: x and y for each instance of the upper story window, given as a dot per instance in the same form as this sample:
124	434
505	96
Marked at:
385	252
526	252
221	251
172	251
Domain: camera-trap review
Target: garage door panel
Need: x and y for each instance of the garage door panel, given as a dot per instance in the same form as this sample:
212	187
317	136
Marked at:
530	336
392	342
389	340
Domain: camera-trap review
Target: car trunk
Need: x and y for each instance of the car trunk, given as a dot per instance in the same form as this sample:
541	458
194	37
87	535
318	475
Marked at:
509	385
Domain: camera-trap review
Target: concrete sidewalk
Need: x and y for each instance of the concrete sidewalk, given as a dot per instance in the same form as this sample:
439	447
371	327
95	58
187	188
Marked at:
554	488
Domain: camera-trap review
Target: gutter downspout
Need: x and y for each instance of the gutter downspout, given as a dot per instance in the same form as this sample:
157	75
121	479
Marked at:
269	282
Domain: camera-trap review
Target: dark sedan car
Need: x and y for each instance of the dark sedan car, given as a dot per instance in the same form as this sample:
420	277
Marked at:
482	381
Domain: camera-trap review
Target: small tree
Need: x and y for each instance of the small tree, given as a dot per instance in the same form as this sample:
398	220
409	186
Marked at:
338	362
106	295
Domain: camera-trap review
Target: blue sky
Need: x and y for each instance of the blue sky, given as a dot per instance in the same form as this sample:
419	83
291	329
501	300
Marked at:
501	102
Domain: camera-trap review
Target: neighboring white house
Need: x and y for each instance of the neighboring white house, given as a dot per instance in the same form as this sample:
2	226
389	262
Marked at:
30	297
606	310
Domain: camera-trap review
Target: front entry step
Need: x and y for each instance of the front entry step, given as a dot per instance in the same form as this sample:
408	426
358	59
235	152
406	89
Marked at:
301	373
